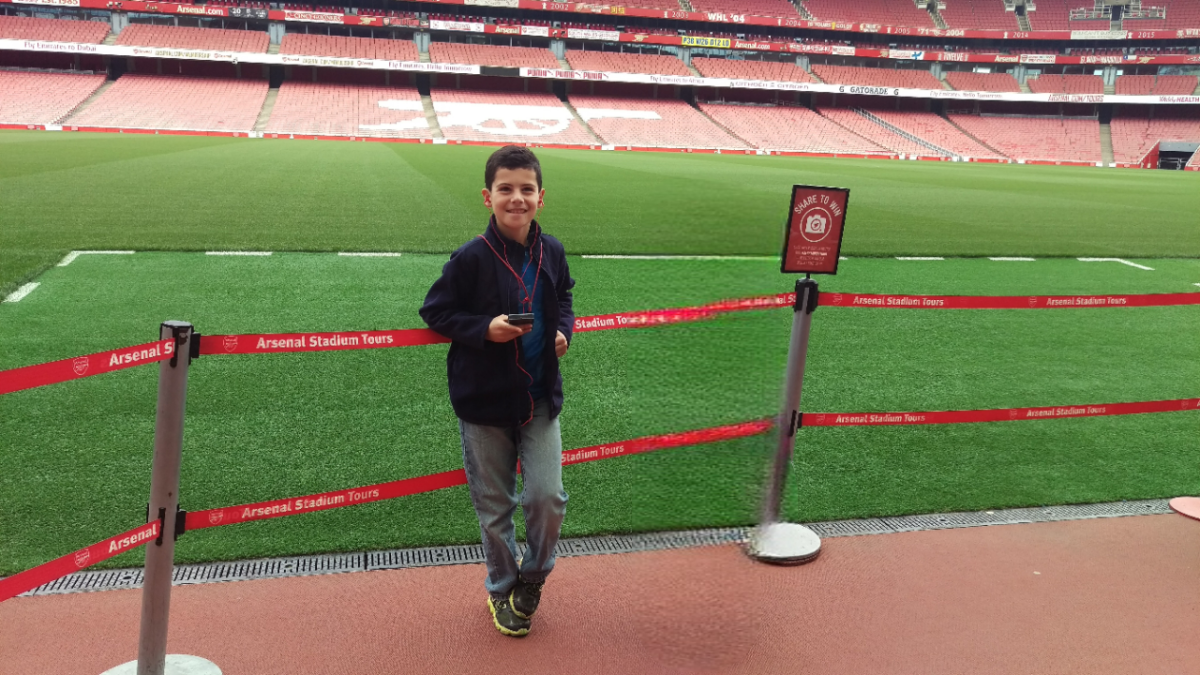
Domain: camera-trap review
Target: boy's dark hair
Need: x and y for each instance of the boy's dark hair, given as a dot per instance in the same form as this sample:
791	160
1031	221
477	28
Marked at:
511	157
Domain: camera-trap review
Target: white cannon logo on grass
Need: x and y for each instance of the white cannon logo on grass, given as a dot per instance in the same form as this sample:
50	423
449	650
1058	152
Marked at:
502	120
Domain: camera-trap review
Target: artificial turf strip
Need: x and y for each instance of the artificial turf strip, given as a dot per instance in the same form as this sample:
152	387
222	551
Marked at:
139	192
75	463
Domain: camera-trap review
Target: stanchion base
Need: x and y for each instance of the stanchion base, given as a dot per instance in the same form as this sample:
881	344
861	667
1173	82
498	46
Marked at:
1186	506
177	664
783	544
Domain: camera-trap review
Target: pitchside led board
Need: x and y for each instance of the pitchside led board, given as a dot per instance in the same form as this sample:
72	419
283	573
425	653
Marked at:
813	241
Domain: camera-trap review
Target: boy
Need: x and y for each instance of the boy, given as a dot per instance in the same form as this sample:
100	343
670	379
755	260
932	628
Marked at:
505	384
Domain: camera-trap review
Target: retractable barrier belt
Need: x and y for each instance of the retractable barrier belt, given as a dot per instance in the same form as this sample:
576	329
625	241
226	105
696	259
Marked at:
72	562
84	366
995	415
103	362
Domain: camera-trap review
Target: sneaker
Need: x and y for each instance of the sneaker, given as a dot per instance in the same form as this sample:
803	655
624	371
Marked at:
507	621
524	598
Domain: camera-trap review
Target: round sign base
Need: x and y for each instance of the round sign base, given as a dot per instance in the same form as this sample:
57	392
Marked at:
784	544
1186	506
177	664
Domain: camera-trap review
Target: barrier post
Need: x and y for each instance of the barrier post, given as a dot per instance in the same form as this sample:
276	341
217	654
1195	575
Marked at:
164	499
774	541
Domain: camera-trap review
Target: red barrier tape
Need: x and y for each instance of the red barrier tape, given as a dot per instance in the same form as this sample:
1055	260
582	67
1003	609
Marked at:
72	562
316	342
54	372
1007	302
995	415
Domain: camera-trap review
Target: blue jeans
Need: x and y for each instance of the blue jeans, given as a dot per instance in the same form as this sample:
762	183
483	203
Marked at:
490	457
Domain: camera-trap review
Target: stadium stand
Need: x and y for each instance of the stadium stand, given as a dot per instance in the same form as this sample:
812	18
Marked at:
1051	14
492	55
52	30
773	71
625	62
873	132
789	128
311	108
1160	85
751	7
886	12
979	15
181	37
1066	84
42	98
1036	138
877	77
349	47
937	130
1182	13
1135	133
672	5
983	81
502	116
651	123
158	102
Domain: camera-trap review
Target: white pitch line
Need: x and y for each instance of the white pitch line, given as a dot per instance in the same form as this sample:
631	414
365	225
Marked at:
918	258
75	254
1013	259
1196	284
680	257
1117	260
237	253
21	292
370	255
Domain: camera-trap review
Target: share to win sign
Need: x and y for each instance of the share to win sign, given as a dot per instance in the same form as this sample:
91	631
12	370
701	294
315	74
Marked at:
813	240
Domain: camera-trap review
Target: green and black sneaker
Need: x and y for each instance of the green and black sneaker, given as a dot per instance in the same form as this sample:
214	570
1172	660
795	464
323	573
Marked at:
524	598
507	621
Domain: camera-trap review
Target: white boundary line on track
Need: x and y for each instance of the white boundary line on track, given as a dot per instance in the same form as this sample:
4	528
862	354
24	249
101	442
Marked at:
237	253
75	254
1013	259
21	292
919	258
1118	260
369	255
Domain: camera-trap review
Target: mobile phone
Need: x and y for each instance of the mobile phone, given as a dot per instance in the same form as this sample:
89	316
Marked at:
520	319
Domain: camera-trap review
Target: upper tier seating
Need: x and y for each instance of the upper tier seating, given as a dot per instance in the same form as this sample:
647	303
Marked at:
789	128
885	12
1180	13
180	37
491	55
651	123
877	77
158	102
672	5
313	108
1133	137
1161	85
626	62
772	71
750	7
52	30
504	116
1052	14
983	81
876	133
1036	138
1066	84
349	47
937	130
42	98
979	15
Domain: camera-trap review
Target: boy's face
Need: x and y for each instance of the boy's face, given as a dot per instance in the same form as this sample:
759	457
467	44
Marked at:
514	198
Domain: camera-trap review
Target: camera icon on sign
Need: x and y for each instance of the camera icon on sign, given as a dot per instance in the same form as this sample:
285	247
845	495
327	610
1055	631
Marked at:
815	224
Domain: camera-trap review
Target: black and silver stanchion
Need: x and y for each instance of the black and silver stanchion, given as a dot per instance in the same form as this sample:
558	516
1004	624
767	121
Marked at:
164	507
775	541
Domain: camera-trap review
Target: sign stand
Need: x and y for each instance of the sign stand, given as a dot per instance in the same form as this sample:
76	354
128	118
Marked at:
774	541
812	245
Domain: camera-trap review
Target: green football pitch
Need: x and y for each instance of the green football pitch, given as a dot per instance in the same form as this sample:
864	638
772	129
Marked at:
75	457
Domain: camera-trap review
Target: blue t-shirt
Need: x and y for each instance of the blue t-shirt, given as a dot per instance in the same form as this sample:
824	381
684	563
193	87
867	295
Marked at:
532	342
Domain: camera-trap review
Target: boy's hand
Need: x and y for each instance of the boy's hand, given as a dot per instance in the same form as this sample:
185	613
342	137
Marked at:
560	344
500	330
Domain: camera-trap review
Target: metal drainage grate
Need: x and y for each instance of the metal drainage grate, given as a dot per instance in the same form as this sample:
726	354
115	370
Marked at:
622	543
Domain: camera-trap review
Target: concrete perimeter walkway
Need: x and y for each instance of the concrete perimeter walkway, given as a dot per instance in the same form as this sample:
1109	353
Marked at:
1118	595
